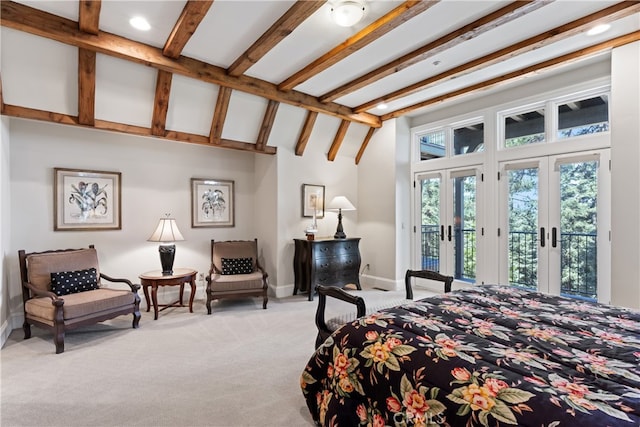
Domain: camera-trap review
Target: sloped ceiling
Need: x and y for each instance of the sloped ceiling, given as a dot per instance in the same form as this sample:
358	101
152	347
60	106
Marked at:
223	72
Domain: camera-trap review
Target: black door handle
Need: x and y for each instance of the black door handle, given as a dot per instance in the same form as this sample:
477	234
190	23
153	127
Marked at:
449	233
554	237
542	237
442	232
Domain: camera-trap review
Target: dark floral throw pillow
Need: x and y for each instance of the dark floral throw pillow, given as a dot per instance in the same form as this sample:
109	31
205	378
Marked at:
237	265
71	282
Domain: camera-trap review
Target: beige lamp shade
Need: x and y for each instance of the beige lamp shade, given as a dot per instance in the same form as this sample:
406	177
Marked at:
340	203
167	231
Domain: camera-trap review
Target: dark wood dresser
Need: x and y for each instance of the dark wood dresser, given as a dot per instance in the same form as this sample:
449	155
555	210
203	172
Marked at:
330	262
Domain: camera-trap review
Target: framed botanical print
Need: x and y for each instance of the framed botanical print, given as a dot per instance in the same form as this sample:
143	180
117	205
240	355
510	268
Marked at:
212	203
86	200
312	200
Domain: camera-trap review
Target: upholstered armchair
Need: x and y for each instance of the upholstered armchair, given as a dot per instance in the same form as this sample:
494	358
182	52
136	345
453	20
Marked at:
63	290
235	272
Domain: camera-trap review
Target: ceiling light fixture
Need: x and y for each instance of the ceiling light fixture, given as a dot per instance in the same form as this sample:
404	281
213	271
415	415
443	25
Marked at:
382	106
598	29
347	12
140	23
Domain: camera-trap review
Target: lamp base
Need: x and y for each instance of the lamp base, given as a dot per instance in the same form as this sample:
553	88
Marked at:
167	255
339	231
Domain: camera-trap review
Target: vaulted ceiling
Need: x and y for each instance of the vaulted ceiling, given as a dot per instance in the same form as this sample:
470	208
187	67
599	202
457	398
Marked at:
206	64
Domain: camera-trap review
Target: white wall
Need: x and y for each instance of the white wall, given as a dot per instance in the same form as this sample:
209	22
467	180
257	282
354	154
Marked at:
155	180
5	229
377	173
340	178
625	175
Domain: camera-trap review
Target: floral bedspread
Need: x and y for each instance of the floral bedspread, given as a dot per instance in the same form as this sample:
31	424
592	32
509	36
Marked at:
483	356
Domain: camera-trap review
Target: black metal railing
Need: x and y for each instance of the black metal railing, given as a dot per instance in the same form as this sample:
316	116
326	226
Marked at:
578	259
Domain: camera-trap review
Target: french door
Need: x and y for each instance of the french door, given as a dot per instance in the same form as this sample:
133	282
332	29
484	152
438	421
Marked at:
448	226
554	224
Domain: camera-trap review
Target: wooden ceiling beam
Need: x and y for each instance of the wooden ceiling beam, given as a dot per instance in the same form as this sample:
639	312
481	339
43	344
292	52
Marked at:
506	14
219	115
609	14
365	142
267	125
371	33
48	116
33	21
522	73
305	133
296	15
192	14
89	22
161	103
89	16
337	141
86	86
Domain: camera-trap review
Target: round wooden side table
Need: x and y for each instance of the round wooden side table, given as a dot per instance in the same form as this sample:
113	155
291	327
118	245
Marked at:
179	277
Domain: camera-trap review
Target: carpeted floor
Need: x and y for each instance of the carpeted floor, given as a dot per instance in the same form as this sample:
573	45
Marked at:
238	367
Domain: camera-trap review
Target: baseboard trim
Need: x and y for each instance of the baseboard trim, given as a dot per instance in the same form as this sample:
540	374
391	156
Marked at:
381	283
14	321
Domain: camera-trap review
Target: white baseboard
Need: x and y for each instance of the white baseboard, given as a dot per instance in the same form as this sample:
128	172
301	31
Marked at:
368	281
281	291
13	322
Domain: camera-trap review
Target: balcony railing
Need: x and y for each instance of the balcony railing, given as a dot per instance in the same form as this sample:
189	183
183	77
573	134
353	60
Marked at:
578	259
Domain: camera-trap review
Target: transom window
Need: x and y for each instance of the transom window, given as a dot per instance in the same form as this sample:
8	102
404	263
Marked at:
583	117
452	140
524	128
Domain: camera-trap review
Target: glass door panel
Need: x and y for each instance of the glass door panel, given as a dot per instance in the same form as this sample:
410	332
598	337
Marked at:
430	223
577	237
522	234
464	226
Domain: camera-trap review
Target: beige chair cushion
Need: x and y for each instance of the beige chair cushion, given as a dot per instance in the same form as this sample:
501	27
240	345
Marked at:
81	304
233	249
233	282
40	266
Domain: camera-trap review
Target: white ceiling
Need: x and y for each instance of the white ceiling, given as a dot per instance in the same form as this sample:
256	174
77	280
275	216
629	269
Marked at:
125	90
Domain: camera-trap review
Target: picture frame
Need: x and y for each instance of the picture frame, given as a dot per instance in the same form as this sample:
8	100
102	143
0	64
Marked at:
86	200
312	194
212	202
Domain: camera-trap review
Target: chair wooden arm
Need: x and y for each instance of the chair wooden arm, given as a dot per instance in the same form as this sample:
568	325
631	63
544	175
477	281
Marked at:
332	291
35	292
426	274
134	286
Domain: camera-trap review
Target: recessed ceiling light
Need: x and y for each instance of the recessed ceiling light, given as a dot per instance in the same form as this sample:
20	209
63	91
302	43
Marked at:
598	29
140	23
382	106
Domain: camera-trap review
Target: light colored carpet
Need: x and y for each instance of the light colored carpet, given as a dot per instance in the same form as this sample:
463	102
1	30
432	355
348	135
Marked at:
240	366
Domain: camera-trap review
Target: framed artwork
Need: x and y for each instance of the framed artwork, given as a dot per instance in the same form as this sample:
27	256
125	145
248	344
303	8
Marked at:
312	200
86	200
212	203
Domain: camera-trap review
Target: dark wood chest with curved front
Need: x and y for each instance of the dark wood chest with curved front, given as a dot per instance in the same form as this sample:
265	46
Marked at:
329	262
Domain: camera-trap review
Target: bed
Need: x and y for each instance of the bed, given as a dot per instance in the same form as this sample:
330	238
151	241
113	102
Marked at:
482	356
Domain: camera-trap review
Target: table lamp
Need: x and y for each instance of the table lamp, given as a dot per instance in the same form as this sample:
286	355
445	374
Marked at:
166	233
340	203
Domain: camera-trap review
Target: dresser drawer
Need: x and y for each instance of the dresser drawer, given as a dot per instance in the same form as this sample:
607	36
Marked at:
324	249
